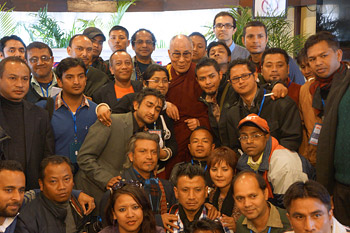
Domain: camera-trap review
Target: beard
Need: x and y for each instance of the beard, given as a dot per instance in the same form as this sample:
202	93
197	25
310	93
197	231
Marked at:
5	212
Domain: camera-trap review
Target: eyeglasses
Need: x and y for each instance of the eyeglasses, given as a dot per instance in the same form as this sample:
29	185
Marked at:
226	25
186	55
43	58
243	77
157	81
139	42
252	137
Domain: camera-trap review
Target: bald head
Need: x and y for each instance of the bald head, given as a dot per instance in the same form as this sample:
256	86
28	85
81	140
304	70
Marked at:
80	46
180	53
180	39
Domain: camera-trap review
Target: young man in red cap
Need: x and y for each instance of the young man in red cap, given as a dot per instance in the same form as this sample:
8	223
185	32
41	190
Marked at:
263	154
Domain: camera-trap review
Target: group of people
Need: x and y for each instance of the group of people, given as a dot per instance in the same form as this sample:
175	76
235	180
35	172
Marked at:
224	138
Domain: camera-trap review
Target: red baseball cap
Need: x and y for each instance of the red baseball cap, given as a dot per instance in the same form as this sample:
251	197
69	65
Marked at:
256	120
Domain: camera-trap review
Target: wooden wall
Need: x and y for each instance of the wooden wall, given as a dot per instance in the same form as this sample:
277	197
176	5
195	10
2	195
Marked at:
141	5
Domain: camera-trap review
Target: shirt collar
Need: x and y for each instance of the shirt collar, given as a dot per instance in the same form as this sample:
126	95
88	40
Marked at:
232	47
8	221
33	80
274	220
59	102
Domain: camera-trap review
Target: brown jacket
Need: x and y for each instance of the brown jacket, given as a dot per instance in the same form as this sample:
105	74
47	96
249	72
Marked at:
308	119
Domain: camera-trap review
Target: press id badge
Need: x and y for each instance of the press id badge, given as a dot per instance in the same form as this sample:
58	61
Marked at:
73	151
159	132
315	134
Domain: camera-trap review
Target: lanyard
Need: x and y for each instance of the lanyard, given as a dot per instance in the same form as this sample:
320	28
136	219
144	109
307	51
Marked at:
47	89
290	82
262	103
205	169
267	232
322	102
74	116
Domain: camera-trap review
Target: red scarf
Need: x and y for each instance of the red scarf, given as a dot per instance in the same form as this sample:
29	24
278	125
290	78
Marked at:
325	83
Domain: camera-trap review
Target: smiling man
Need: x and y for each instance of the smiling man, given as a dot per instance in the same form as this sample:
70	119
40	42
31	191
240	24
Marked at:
184	92
56	210
80	46
12	187
282	113
44	81
101	158
121	67
217	94
143	43
258	215
224	27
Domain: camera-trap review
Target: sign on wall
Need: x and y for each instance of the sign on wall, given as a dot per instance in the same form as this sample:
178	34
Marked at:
269	8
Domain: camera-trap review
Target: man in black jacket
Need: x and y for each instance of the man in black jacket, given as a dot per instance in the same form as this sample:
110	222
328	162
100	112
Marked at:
28	136
56	209
282	114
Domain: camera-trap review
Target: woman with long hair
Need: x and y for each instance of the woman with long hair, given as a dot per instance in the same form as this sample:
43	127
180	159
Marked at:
129	211
222	168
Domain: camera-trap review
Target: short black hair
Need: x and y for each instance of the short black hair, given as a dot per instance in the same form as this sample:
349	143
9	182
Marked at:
149	91
301	57
133	37
206	224
331	40
225	13
203	128
261	181
254	24
7	38
200	35
119	28
251	66
151	69
73	37
275	51
68	63
53	159
206	61
217	43
11	165
308	189
117	51
11	59
187	169
38	45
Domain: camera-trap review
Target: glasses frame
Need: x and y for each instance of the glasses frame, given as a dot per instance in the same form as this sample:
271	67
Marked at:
243	77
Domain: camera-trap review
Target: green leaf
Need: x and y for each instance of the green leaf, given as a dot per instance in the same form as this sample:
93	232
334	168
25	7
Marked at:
7	22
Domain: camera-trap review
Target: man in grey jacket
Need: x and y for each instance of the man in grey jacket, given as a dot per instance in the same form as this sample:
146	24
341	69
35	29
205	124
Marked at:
103	152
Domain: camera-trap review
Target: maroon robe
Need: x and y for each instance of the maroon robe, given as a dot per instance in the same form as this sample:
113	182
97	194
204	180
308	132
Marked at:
184	92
